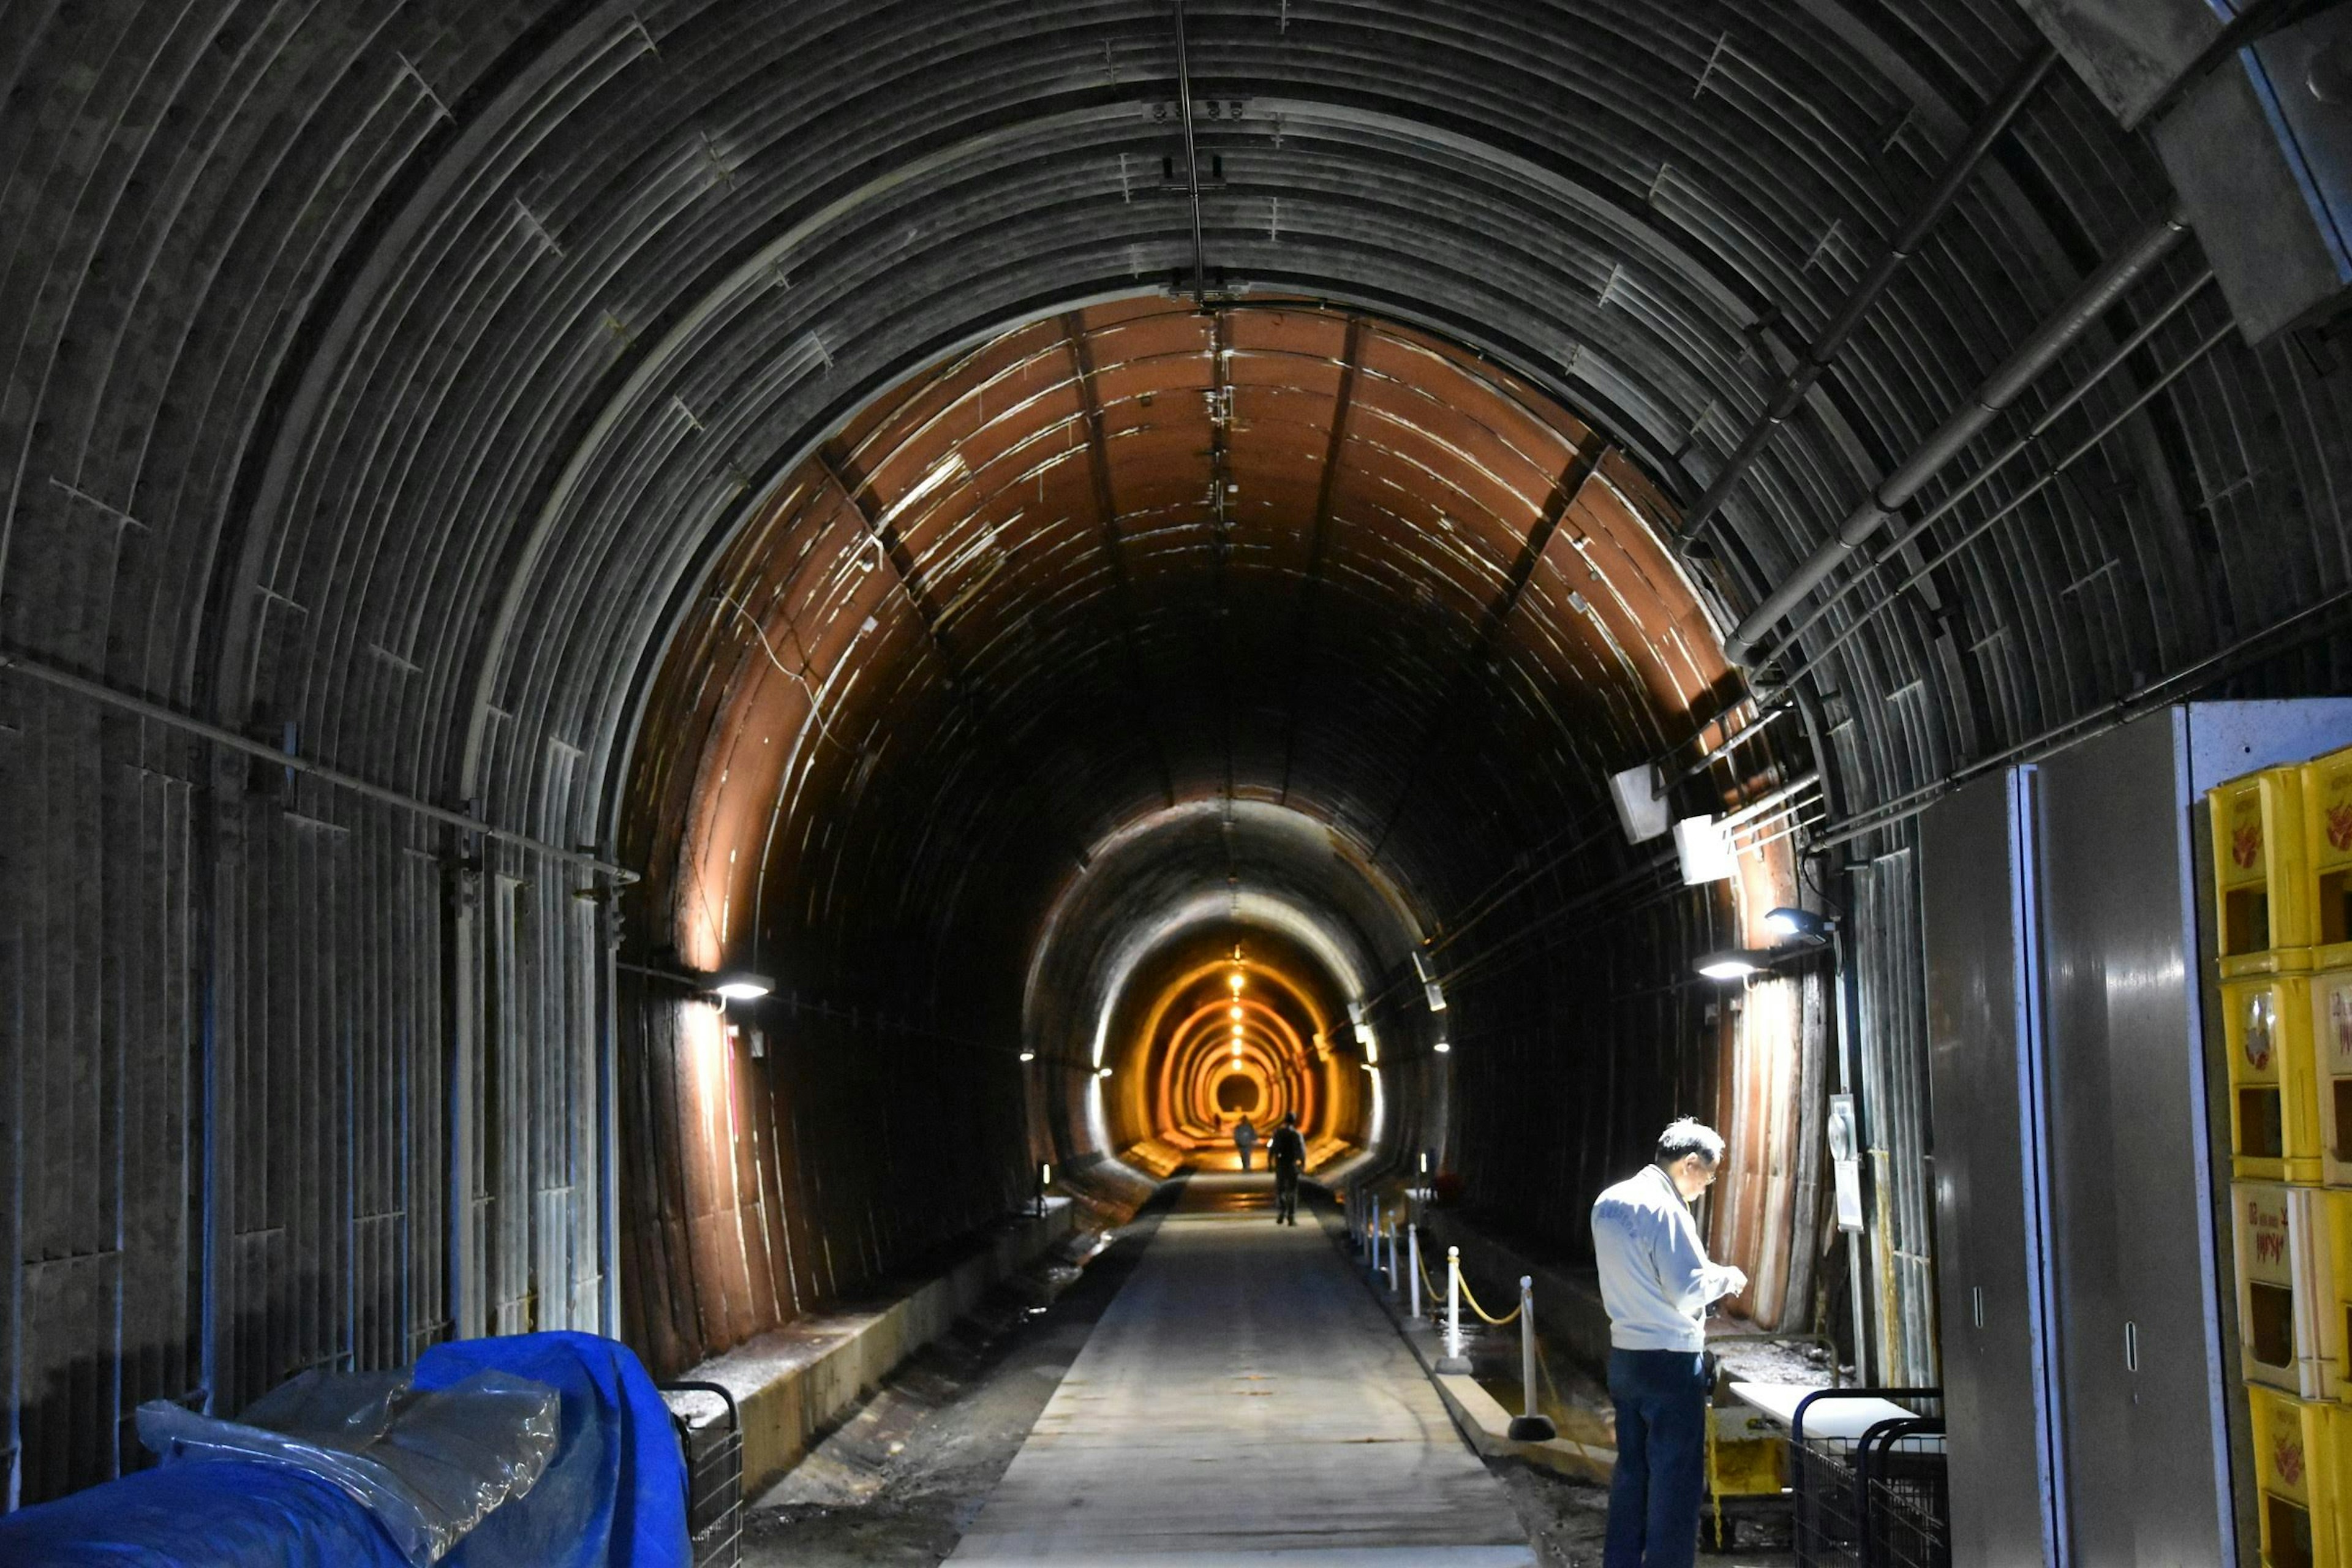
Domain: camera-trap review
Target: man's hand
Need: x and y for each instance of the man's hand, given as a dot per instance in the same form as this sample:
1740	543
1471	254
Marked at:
1738	1279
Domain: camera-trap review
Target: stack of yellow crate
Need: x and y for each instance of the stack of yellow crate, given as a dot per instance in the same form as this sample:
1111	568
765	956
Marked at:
2283	891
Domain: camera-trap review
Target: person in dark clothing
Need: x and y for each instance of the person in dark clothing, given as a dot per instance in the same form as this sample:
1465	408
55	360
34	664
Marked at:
1287	1152
1244	1140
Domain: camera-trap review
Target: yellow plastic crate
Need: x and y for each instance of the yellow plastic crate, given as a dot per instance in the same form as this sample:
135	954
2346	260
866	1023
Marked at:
2273	1078
2331	1305
2298	1469
2331	1038
2327	845
2291	1327
2262	885
2276	1288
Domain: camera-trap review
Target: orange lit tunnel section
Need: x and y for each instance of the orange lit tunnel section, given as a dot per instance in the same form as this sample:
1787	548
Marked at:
1232	1025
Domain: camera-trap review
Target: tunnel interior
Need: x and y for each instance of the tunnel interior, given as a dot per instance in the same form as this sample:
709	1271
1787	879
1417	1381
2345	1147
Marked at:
1121	638
977	514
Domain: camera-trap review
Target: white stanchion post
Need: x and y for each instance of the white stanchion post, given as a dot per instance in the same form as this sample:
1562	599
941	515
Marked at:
1412	1275
1453	1361
1393	1256
1530	1426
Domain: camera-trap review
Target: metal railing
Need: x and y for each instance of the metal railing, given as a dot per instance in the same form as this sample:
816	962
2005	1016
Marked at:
714	1478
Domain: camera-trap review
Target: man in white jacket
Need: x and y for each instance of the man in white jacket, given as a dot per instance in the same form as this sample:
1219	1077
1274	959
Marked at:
1657	1284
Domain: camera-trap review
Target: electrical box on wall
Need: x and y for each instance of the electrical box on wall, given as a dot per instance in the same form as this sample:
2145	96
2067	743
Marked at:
2257	139
2261	153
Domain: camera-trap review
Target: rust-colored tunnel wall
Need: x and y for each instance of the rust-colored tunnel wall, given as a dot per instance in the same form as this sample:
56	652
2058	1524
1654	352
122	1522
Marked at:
1133	632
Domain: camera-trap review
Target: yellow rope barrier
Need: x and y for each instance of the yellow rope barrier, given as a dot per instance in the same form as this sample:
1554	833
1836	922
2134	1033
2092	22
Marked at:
1437	1293
1498	1323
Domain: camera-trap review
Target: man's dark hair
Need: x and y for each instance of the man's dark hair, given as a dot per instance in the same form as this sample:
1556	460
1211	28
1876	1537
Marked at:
1290	1119
1686	1138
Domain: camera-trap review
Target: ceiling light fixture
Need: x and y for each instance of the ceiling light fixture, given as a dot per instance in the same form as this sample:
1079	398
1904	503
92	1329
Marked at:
1803	924
741	985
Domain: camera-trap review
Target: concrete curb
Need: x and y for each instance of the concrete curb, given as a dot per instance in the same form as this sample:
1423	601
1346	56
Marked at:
1483	1422
796	1383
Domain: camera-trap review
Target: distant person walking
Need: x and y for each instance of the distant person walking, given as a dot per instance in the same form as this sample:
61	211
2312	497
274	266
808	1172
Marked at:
1287	1152
1657	1284
1244	1140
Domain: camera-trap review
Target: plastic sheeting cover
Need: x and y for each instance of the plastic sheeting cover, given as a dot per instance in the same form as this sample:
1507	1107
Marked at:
429	1463
615	1495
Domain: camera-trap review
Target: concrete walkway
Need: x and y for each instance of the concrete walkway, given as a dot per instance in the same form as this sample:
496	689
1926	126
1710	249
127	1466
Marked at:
1243	1401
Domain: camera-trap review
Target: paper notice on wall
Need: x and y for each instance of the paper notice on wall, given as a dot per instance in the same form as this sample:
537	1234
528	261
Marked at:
1846	1159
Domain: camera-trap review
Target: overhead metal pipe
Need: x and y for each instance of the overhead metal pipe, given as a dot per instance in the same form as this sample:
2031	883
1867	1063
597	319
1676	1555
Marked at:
2311	622
1192	160
2032	434
2097	295
1932	207
98	691
1738	738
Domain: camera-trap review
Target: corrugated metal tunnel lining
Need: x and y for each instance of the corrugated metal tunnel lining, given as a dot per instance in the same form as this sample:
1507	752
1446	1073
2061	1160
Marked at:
386	385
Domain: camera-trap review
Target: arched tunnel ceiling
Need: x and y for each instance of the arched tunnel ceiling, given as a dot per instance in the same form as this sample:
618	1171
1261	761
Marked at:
393	374
1140	554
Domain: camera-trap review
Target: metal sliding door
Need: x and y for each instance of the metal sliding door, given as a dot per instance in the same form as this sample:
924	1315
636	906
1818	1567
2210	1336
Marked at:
2139	1334
1976	881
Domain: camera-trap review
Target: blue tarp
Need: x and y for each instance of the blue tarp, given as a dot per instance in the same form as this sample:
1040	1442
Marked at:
612	1497
210	1515
614	1494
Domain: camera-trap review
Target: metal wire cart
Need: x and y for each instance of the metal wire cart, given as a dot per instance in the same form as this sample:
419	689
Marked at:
1867	1482
714	1478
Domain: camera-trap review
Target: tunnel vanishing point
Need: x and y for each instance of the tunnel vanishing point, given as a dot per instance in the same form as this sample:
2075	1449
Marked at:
656	656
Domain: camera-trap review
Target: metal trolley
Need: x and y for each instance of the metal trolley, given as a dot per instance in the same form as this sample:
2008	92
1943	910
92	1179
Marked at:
1873	1497
714	1478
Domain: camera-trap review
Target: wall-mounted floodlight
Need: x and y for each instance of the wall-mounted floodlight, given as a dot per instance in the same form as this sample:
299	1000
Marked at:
1790	921
1736	963
742	986
1436	995
1443	1046
1028	1056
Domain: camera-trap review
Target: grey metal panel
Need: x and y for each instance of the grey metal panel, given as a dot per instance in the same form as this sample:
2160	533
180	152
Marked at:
2227	739
1979	1042
1893	1068
2140	1351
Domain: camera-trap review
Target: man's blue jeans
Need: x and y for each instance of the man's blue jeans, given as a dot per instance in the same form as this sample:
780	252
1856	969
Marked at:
1660	1398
